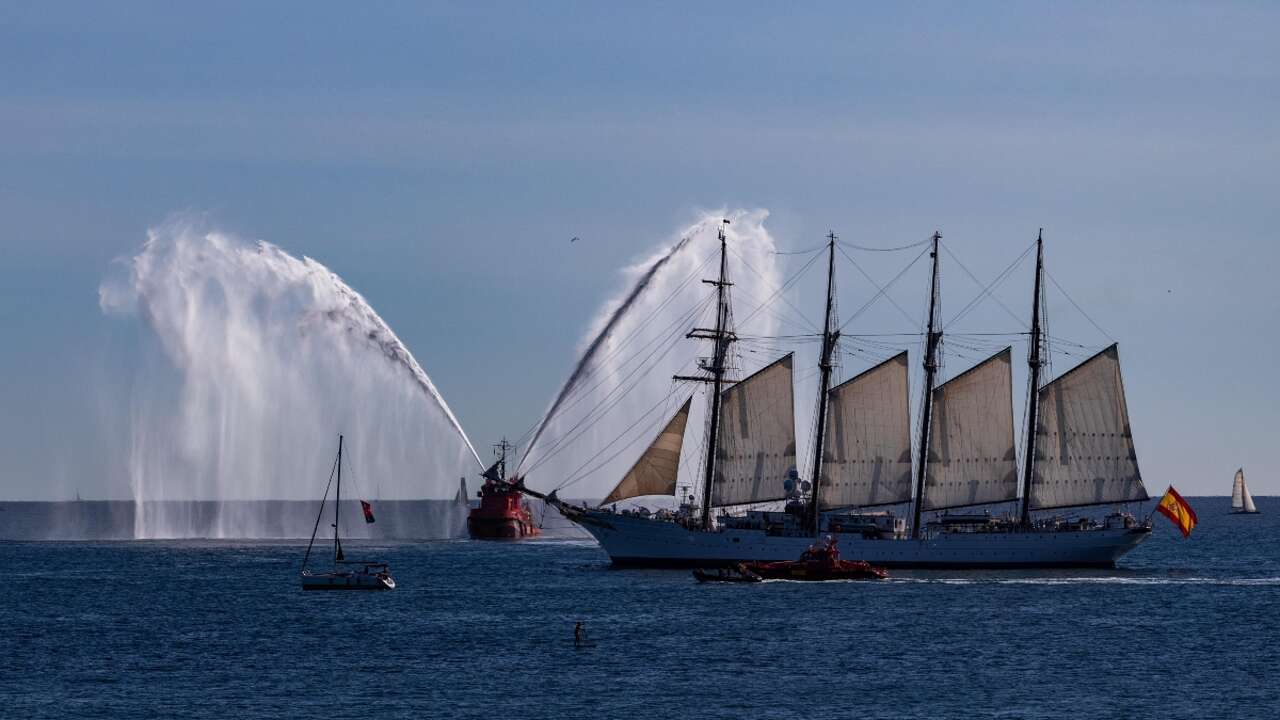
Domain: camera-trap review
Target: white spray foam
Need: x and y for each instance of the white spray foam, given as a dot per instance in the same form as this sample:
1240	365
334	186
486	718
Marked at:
612	410
261	360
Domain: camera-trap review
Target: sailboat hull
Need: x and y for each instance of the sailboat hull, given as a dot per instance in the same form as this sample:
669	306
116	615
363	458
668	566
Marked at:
641	542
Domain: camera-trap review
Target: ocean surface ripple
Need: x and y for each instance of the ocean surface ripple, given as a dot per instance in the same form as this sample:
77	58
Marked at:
219	629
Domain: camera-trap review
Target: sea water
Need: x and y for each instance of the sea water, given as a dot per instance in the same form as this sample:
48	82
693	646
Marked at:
221	629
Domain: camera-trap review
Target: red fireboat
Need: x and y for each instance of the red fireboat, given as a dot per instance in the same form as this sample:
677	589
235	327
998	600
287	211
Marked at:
503	513
819	562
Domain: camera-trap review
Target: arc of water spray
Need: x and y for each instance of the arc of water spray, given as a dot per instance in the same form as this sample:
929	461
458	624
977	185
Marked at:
394	349
588	355
352	313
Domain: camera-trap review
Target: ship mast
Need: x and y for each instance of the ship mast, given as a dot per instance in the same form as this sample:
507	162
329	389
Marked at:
829	336
932	340
1035	361
501	449
717	370
721	338
337	503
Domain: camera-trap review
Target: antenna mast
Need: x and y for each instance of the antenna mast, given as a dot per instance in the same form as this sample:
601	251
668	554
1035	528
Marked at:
501	449
1035	361
932	340
829	337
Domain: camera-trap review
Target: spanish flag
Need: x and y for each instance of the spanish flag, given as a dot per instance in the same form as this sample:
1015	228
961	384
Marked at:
1177	509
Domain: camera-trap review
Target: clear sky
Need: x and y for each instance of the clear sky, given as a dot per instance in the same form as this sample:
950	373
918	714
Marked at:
439	157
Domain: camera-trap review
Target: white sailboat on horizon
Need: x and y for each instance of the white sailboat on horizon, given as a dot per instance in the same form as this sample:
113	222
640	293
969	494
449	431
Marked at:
1241	500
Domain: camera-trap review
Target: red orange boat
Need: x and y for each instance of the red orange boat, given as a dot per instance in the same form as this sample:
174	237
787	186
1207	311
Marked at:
503	513
819	562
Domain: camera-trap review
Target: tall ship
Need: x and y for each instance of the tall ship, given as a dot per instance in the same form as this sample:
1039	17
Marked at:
503	513
866	488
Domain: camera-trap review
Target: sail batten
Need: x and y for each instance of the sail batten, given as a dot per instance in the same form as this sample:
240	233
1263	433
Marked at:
1083	444
972	460
756	440
867	453
654	473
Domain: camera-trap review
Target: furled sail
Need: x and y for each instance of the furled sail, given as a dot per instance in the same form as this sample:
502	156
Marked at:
867	456
655	472
756	442
972	460
1084	448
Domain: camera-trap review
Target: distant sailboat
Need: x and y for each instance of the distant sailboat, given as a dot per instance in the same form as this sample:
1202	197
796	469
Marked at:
1241	500
370	575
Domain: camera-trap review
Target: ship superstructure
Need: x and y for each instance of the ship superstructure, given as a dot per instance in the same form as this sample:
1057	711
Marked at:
864	473
503	513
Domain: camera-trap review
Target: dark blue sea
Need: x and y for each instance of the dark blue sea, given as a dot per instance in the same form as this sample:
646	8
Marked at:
219	629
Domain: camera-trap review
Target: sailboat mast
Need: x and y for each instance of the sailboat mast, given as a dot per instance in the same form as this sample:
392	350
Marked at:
1035	362
829	337
337	547
932	338
717	368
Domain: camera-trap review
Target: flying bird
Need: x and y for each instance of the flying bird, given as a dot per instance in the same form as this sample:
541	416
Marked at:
573	239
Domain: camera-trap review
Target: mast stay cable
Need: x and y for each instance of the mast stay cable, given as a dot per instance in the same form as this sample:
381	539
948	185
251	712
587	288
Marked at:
626	340
989	288
610	401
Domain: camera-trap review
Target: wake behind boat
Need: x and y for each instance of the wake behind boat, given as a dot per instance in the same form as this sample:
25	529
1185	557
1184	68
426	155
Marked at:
344	574
1081	456
736	574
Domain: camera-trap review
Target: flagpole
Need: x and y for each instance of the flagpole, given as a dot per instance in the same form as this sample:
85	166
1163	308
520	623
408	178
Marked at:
1157	505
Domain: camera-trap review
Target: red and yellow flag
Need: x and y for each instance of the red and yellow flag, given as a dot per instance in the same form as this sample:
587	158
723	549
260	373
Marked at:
1177	509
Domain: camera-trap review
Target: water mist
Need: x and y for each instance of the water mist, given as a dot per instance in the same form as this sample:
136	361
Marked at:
620	391
257	361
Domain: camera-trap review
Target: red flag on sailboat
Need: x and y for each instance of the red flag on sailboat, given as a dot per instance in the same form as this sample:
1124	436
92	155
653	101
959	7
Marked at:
368	511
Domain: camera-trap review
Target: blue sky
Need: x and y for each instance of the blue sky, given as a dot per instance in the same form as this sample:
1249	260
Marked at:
438	156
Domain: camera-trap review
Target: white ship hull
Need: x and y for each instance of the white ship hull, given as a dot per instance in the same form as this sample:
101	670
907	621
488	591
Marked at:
642	542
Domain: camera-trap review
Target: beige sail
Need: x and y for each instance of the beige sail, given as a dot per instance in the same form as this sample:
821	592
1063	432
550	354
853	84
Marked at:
1084	448
756	442
655	472
867	450
972	460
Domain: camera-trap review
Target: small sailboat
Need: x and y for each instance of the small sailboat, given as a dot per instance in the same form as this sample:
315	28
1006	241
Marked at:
345	574
1241	500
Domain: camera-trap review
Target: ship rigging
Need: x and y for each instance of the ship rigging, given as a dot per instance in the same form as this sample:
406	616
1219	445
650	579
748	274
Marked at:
1077	450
